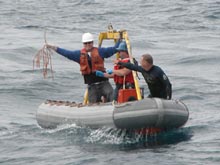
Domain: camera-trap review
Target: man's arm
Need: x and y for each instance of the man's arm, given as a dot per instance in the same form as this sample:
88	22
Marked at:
131	66
72	55
166	83
122	72
109	51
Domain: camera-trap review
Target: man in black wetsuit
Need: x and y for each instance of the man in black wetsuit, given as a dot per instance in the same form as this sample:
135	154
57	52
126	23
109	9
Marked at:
157	81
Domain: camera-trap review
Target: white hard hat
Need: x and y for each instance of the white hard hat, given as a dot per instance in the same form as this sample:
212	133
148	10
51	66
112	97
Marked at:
87	37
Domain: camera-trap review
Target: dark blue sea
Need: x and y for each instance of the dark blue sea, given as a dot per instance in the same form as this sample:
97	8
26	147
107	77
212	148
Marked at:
182	36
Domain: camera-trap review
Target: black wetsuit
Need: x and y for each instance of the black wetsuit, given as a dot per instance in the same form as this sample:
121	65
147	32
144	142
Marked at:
158	83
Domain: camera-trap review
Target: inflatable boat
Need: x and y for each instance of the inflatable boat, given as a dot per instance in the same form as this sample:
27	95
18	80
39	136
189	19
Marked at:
146	113
140	113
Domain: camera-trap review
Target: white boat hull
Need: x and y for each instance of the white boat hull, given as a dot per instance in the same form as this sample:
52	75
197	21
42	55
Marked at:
146	113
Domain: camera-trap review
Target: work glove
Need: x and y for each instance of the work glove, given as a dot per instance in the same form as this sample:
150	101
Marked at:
99	73
109	71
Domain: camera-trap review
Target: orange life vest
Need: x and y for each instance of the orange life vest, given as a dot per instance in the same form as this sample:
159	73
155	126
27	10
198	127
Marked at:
96	60
120	79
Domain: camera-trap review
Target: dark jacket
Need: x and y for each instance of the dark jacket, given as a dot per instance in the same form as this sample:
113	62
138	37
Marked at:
157	81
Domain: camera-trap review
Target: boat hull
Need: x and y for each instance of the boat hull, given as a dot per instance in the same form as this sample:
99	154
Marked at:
146	113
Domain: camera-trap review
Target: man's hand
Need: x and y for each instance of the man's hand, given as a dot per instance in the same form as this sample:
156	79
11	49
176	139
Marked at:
109	71
51	47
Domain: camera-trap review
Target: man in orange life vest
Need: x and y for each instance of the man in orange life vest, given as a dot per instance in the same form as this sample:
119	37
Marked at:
91	59
122	76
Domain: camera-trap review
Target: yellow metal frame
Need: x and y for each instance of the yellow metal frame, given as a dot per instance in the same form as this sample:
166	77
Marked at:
115	35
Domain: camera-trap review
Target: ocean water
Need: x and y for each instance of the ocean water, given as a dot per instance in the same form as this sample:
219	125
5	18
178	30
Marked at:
183	37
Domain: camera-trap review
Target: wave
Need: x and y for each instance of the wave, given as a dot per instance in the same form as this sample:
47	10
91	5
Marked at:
118	138
198	60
